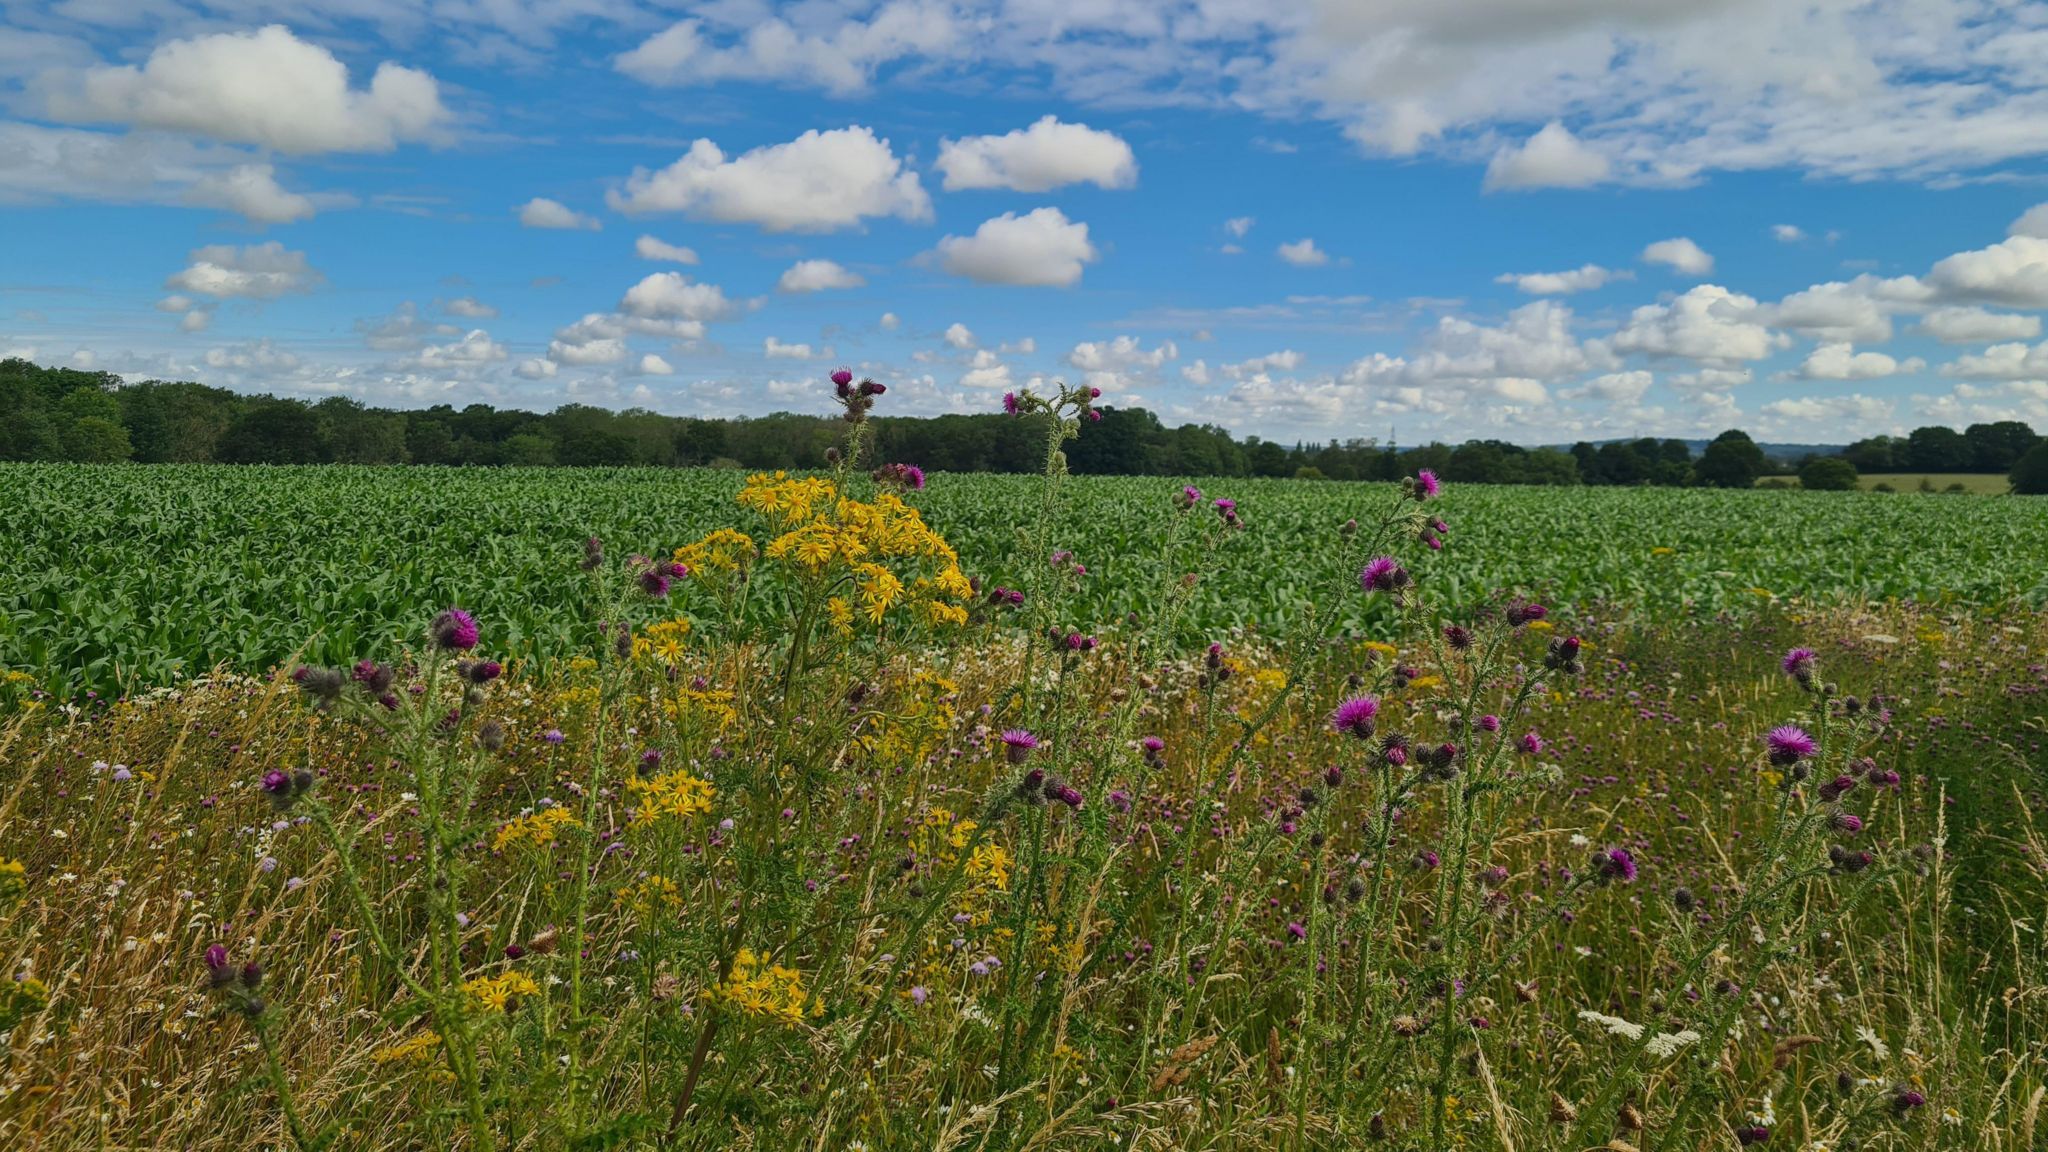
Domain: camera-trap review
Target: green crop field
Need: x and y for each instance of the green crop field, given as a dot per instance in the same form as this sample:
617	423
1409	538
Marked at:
117	577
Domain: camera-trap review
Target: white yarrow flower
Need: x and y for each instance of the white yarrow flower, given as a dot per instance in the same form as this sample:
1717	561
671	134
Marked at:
1869	1037
1665	1045
1613	1024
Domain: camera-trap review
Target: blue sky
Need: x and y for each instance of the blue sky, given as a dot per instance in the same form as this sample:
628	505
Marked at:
1539	220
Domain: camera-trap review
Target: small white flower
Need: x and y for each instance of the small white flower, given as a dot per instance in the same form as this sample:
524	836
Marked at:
1579	840
1613	1024
1665	1045
1869	1037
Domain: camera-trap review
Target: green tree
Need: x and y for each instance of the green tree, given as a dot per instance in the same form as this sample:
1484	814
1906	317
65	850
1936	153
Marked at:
1937	448
2029	474
1732	460
1828	474
1997	447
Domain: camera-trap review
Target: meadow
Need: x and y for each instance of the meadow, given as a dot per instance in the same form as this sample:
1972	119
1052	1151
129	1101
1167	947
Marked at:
117	577
870	810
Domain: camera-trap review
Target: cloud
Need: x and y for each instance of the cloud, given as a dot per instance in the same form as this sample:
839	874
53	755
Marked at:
1624	389
1122	354
2033	222
1841	361
673	296
252	191
652	365
1285	360
1857	311
2013	272
1041	248
1787	233
985	371
958	335
1048	155
403	330
1970	325
536	369
604	350
2012	361
1679	254
1583	279
1238	226
476	348
264	87
541	212
258	354
1552	158
1849	415
1303	253
889	322
817	276
650	248
818	182
1709	324
774	349
1196	373
840	59
469	307
257	272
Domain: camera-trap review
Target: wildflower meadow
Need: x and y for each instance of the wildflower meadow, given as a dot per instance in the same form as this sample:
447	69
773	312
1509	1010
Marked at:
878	810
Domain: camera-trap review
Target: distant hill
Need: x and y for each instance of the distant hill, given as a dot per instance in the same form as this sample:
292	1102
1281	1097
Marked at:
1789	453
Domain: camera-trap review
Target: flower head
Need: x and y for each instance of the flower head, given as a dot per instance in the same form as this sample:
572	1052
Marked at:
1531	743
1357	717
454	630
1789	744
1426	484
1615	864
1382	574
1017	744
1010	404
1798	663
841	378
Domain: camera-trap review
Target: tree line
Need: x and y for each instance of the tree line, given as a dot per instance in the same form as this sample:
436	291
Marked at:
72	415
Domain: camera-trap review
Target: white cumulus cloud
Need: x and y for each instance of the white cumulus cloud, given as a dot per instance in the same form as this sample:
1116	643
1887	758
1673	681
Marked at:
257	272
541	212
1041	248
1303	253
265	87
818	182
1047	155
817	276
1679	254
1552	158
1582	279
653	248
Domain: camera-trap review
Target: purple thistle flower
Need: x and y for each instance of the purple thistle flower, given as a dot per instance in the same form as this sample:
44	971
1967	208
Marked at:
275	782
842	378
1489	723
1531	743
1296	929
1847	822
1752	1134
1426	484
1357	717
1426	860
1789	744
1798	663
1010	403
1458	637
1067	794
1906	1099
1382	574
1152	745
553	736
1520	614
454	630
654	582
1615	864
1837	788
1017	744
918	995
